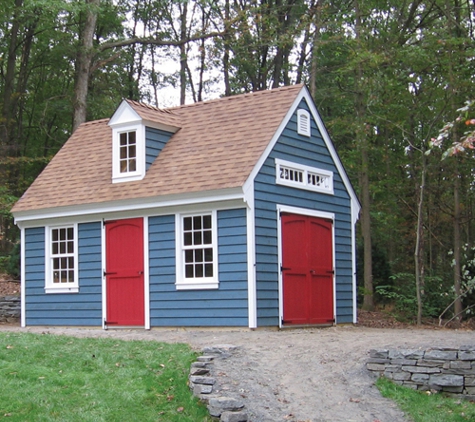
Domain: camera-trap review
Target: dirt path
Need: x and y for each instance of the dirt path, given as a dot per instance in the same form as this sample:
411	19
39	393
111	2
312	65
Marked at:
297	375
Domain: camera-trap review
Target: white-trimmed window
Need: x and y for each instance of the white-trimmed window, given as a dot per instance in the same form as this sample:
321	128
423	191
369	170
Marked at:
128	153
61	269
197	266
303	122
303	177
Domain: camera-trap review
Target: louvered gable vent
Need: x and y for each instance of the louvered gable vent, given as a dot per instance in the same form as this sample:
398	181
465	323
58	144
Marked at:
303	122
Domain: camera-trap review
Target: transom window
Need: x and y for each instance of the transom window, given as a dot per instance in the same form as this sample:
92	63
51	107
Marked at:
303	177
128	152
61	266
198	265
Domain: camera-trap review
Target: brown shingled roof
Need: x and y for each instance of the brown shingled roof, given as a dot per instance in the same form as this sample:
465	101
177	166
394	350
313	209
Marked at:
217	146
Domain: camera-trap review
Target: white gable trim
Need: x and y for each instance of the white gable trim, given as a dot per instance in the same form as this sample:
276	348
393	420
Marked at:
304	94
124	115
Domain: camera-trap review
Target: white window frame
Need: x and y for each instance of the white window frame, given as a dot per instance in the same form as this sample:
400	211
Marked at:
306	170
139	173
51	287
303	122
183	283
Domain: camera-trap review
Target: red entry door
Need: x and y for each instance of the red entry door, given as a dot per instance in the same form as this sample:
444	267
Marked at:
124	272
307	270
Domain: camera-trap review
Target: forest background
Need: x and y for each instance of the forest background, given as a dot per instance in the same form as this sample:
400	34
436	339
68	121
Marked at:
386	75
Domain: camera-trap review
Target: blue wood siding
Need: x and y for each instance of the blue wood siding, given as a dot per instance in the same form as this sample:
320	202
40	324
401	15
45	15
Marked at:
83	308
311	152
225	306
155	140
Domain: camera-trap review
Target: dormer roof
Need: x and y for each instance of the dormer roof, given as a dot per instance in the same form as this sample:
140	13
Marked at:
215	147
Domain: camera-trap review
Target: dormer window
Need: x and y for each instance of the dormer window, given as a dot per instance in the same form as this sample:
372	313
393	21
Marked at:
128	153
303	122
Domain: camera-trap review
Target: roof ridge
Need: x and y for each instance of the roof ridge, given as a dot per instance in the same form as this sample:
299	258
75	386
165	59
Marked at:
148	106
235	96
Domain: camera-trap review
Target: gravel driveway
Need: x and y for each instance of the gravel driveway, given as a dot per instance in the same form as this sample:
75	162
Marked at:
296	375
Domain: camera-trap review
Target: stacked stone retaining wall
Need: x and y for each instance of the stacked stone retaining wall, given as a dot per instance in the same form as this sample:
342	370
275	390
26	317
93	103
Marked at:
441	369
10	308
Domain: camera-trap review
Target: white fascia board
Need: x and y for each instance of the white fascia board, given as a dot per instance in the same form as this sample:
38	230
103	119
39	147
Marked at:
305	94
124	114
141	206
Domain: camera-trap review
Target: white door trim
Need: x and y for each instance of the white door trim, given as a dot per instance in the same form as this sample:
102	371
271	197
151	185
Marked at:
311	213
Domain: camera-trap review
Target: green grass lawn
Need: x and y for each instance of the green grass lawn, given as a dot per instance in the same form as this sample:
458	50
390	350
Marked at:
58	378
423	407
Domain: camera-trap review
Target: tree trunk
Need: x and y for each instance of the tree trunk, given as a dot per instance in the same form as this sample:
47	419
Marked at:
362	139
457	248
9	82
183	60
84	62
419	266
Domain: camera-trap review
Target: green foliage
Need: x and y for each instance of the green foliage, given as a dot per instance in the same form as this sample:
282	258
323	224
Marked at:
79	379
422	406
402	293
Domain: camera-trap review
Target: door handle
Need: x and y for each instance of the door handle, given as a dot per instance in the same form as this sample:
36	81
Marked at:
140	272
312	271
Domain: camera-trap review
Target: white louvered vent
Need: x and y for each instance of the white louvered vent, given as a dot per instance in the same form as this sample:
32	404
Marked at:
303	122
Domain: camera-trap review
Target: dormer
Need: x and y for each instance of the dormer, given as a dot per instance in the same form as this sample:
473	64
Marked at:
128	145
139	133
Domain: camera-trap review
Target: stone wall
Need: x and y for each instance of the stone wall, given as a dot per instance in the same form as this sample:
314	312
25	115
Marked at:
10	308
440	369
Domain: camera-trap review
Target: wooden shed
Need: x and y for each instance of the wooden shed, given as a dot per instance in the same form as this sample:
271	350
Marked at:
230	212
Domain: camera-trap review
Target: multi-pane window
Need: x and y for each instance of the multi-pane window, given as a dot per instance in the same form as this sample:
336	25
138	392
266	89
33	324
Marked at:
198	246
303	177
62	256
196	251
128	152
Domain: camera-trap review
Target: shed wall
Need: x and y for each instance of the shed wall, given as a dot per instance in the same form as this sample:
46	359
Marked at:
225	306
311	152
83	308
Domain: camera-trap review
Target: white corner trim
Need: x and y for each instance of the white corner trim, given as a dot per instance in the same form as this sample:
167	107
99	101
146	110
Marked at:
104	286
146	273
251	256
23	276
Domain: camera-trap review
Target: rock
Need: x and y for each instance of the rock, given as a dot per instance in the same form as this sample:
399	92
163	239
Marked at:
440	354
234	417
444	380
457	364
467	355
381	353
219	349
214	411
420	378
199	371
226	403
202	389
406	354
196	379
205	358
421	369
